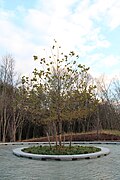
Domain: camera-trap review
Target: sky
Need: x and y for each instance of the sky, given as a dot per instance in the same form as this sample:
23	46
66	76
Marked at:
89	27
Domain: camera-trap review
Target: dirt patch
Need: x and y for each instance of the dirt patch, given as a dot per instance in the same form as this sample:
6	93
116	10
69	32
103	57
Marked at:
81	137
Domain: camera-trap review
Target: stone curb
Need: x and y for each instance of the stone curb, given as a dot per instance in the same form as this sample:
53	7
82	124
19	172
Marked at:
18	152
74	142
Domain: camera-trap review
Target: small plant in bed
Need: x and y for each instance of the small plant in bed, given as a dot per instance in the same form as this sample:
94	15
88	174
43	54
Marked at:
61	150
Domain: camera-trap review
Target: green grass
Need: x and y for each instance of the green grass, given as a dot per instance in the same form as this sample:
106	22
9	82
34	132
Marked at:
63	150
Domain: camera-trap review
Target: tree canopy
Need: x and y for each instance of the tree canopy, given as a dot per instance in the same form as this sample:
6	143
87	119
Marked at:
61	90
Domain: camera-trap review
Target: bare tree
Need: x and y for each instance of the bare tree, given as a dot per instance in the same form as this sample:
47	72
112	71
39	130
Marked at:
109	97
6	78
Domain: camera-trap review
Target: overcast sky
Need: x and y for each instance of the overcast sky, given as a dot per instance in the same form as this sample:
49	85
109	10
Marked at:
89	27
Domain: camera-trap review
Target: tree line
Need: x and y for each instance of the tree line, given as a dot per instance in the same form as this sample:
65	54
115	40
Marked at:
61	97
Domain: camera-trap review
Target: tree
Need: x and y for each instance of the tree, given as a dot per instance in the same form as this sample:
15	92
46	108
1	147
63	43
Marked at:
64	85
109	103
10	99
6	92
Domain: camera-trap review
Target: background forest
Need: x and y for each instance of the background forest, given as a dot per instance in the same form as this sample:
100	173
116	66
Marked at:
62	97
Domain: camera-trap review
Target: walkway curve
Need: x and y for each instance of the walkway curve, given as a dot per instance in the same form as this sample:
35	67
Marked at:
18	152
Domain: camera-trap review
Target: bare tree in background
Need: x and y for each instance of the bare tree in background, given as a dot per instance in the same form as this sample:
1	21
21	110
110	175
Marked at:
9	114
108	95
6	78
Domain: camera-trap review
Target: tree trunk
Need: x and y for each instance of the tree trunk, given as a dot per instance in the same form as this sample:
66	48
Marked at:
48	137
4	125
60	133
1	122
98	123
20	133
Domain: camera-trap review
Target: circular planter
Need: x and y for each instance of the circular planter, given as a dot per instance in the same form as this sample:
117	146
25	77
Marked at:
18	152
